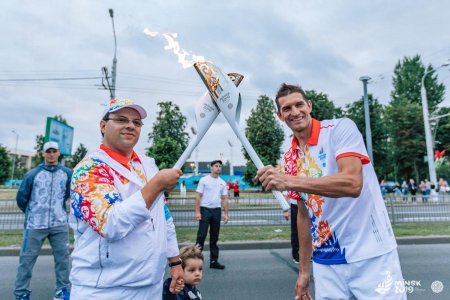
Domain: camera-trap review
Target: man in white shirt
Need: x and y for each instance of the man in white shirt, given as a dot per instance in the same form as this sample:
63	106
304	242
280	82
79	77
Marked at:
211	191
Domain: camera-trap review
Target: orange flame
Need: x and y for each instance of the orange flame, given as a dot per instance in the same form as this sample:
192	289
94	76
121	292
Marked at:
185	58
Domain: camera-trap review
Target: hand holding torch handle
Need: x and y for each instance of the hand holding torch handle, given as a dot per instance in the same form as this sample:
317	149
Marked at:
227	98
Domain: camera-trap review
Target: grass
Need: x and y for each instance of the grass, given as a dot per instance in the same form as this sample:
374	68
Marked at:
8	194
256	233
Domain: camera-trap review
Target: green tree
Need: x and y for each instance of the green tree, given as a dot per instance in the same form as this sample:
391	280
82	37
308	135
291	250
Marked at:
322	107
168	136
441	130
5	164
77	156
355	111
407	83
265	134
406	128
407	143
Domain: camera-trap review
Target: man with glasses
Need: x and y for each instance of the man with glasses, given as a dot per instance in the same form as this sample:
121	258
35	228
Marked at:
124	232
42	197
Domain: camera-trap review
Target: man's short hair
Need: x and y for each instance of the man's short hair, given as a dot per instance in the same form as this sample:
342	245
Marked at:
190	251
215	162
287	89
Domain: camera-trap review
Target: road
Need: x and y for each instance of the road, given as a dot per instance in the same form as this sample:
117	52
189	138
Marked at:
264	274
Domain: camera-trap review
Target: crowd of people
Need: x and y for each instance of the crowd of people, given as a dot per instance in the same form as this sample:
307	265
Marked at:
124	233
426	190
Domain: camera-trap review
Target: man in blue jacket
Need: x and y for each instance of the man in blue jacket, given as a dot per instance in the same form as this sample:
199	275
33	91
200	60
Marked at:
42	197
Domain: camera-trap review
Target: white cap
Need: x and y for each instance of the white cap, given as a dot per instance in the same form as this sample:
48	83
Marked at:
51	145
116	104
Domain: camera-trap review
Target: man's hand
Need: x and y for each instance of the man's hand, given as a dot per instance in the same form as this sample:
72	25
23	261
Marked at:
198	216
177	283
225	218
302	287
167	179
271	179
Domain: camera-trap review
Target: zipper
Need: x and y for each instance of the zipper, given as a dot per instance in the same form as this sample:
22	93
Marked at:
153	224
99	260
50	204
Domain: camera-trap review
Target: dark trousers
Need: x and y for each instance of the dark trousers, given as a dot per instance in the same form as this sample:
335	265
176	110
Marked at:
294	232
210	218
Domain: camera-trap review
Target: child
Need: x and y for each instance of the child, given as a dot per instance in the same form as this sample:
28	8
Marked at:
192	263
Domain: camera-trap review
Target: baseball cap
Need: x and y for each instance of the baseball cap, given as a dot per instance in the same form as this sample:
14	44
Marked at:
116	104
51	145
216	161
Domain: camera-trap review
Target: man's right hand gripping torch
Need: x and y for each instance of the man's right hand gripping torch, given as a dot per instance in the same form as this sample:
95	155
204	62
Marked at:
228	99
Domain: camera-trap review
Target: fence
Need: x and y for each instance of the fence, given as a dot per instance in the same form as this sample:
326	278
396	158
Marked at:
258	211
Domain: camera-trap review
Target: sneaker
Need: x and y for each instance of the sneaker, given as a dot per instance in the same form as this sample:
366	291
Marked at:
62	294
23	297
295	261
216	265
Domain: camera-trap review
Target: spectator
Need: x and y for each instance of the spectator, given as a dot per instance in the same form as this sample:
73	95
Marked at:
405	189
236	189
412	189
423	190
211	194
42	197
442	188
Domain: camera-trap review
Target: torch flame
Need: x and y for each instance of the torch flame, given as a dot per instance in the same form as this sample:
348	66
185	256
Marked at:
185	58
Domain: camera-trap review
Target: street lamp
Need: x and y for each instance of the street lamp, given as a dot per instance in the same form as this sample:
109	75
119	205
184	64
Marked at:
365	79
114	66
15	154
426	122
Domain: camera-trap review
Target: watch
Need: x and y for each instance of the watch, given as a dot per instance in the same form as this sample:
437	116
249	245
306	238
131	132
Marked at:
175	263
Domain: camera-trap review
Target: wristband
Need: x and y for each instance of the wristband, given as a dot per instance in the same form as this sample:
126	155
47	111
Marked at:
175	263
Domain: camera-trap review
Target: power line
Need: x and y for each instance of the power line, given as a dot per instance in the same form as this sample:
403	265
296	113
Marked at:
49	79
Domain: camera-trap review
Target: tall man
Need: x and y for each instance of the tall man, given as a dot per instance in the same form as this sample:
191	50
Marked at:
42	197
210	191
328	170
124	232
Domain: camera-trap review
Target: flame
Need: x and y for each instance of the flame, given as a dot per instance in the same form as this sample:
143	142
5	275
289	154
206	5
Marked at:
185	58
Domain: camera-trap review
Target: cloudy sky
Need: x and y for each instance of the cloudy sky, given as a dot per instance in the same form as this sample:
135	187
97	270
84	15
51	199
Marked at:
321	45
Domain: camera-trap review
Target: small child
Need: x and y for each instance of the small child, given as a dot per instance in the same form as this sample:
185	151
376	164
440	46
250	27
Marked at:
192	263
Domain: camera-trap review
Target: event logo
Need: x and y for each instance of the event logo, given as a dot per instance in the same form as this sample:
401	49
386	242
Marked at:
437	286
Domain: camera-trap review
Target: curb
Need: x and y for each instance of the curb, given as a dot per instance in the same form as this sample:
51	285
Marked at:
257	245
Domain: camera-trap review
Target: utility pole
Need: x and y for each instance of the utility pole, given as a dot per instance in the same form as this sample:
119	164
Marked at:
114	66
365	79
15	154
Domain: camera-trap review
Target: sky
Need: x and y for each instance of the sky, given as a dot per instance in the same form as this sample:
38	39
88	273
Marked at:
322	45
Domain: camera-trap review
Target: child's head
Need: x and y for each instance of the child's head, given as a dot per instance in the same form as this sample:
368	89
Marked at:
192	263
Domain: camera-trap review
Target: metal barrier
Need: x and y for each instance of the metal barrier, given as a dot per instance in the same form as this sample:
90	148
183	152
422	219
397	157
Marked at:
260	211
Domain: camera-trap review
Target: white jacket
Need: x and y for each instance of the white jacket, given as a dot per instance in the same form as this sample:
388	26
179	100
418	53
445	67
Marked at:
118	241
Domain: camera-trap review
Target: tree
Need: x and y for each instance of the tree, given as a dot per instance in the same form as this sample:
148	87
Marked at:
355	111
407	83
5	164
407	142
322	107
78	155
168	136
405	117
265	134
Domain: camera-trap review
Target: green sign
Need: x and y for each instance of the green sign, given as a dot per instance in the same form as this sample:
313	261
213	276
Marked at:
61	133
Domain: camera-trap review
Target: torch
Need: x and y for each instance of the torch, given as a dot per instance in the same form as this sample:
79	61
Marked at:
206	111
228	99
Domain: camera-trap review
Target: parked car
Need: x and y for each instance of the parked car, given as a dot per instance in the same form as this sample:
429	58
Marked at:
389	186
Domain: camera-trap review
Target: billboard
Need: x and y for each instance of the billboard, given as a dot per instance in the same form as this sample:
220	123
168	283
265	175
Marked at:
61	133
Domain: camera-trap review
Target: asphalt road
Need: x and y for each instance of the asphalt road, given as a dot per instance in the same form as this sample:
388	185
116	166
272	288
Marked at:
263	274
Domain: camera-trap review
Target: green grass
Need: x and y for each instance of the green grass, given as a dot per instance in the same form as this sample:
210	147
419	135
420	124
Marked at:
256	233
7	195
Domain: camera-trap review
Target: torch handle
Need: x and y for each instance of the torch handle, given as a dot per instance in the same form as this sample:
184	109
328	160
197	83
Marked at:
187	152
258	163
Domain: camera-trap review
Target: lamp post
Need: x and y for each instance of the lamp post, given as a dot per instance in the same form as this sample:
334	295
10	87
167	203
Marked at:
426	123
114	66
365	79
15	154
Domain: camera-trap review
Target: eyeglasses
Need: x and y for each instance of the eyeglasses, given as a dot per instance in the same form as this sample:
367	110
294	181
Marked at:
125	121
